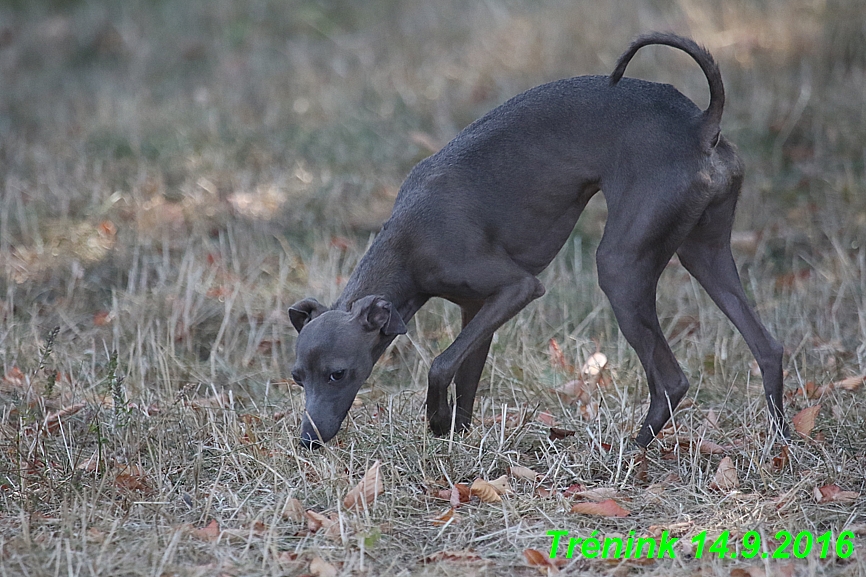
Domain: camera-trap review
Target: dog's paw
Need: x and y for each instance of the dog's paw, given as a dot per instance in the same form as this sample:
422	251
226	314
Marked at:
440	421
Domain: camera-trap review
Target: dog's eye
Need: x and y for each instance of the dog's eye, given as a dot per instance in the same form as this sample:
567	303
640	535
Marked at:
337	375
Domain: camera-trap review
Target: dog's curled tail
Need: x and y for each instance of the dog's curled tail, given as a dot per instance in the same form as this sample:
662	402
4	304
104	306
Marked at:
713	114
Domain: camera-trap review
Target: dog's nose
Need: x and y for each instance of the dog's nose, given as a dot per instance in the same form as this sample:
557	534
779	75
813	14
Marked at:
310	441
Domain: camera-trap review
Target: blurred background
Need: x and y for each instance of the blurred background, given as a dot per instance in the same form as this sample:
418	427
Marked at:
174	174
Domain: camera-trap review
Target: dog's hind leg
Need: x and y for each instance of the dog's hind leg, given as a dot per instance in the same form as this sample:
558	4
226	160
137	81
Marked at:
639	239
706	254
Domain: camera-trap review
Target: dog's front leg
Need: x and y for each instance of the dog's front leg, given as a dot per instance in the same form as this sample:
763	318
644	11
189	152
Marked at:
498	308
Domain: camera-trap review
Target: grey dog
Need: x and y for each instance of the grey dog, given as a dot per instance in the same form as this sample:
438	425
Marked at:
477	221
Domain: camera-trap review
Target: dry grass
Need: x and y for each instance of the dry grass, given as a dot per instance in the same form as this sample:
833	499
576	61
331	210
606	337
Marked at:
175	174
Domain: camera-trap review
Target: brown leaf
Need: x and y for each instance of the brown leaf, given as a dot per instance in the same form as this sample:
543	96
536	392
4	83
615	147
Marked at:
102	318
259	528
91	464
523	473
545	492
573	489
726	476
330	525
536	558
674	529
594	365
574	391
132	483
501	485
850	383
465	556
365	492
444	518
557	359
52	420
456	495
597	494
547	419
316	521
557	434
608	508
782	460
14	378
293	510
484	491
321	568
804	421
455	498
209	532
834	494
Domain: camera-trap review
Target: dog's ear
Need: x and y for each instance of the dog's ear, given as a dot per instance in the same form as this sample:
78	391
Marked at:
304	311
377	314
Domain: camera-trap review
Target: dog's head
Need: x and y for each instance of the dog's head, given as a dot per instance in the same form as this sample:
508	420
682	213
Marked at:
336	350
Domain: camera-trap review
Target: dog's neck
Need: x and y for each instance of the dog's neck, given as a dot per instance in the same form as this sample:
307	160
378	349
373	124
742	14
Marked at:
382	272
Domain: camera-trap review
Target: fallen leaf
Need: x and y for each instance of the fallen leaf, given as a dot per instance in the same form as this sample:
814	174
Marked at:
782	460
588	411
850	383
557	359
465	556
674	529
834	494
557	434
726	476
132	483
102	318
52	420
545	492
91	464
547	419
484	491
536	558
14	378
501	485
444	518
594	365
321	568
456	495
804	421
258	528
597	494
523	473
573	489
366	491
293	510
573	391
287	558
608	508
209	532
317	521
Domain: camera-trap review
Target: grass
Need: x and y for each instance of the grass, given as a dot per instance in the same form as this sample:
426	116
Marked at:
175	174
